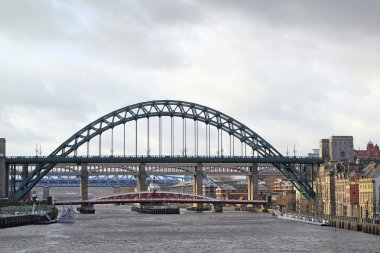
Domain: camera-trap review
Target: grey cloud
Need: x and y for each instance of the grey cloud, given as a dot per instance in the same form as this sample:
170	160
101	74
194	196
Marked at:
137	34
276	66
337	17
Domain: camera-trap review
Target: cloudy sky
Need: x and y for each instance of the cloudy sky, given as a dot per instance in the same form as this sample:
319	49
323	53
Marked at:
293	71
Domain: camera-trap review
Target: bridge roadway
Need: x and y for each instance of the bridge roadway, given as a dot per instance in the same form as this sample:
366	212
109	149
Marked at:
143	166
158	197
191	160
121	169
157	166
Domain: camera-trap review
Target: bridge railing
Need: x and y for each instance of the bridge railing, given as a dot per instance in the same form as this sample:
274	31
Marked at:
163	158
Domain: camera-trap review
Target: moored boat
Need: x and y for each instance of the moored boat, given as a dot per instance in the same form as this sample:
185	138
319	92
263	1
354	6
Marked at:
307	220
67	215
157	208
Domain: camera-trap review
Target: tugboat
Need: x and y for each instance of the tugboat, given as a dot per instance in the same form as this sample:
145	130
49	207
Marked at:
157	208
67	215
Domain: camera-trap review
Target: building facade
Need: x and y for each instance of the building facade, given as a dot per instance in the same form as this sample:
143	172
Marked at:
337	148
325	189
341	148
372	151
342	194
370	185
281	185
348	192
324	152
366	197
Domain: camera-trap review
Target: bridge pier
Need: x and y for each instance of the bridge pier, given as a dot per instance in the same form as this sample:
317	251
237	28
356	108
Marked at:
84	208
141	185
45	195
217	208
24	176
4	172
253	184
198	187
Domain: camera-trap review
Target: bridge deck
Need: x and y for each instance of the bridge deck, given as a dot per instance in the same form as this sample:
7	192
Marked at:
136	160
163	200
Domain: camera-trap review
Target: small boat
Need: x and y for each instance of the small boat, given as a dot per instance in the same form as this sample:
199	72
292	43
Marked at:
67	215
307	220
311	221
157	208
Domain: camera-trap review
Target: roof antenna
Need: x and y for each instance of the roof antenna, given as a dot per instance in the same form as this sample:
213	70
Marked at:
287	150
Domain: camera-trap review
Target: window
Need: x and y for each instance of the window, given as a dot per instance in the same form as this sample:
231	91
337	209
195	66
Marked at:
342	154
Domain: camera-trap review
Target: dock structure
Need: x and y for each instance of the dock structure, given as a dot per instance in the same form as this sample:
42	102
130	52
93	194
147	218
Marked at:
365	227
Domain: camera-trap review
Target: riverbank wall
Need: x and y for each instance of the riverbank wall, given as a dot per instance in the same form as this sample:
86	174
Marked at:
369	228
29	219
21	220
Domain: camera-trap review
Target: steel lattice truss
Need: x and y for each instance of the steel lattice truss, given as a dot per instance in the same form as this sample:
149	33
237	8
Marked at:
101	180
167	108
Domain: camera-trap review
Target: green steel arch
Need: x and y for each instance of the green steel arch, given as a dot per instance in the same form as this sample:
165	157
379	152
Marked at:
167	108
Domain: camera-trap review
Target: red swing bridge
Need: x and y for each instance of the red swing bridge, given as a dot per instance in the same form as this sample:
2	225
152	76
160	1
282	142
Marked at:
160	197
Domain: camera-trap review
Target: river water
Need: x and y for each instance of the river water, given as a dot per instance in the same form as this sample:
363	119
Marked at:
118	229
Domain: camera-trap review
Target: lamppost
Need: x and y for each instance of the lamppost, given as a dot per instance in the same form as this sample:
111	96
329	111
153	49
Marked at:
38	150
148	151
34	199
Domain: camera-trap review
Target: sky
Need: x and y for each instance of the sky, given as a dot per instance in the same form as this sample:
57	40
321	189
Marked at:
292	71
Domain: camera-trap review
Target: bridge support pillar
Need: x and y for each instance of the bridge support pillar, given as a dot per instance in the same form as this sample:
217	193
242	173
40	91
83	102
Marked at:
141	186
116	190
4	172
217	208
198	187
45	194
24	176
84	208
253	184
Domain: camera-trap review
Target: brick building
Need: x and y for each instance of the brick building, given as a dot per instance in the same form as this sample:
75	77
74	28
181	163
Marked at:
372	151
281	185
240	191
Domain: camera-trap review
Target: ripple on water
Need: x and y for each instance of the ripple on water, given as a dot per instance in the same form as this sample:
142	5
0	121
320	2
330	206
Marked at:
117	229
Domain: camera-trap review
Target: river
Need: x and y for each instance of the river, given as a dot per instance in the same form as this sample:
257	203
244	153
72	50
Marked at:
117	229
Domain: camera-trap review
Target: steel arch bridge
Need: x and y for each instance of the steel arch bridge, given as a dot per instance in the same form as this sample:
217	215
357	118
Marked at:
259	147
97	180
